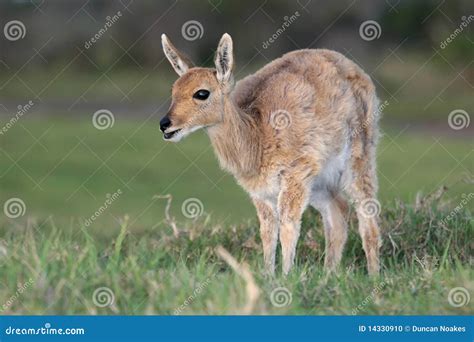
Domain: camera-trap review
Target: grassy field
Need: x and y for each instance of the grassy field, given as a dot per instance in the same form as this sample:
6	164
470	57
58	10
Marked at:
52	261
67	168
47	269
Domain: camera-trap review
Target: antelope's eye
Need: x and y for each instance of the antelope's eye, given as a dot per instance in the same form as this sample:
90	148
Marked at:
201	94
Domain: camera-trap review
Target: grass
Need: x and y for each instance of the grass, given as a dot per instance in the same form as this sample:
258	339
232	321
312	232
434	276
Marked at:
52	262
66	169
154	272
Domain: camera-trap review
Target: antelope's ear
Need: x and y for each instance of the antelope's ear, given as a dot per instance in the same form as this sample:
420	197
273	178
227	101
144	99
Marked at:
178	60
224	59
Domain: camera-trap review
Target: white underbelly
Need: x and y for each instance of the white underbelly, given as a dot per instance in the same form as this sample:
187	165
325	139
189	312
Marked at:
334	176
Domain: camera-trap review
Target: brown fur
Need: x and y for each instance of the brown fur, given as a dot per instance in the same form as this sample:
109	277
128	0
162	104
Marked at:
326	152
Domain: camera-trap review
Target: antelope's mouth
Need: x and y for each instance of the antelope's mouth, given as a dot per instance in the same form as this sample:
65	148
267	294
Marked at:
169	135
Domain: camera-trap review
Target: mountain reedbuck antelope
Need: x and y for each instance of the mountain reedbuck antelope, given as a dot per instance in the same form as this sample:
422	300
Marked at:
301	130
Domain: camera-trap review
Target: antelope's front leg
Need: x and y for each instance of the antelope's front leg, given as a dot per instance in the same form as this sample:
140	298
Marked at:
268	233
292	201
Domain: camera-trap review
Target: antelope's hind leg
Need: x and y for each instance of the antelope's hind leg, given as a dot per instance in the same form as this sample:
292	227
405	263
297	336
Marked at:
363	192
333	210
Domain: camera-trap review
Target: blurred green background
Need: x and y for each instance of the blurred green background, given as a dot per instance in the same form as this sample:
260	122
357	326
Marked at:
61	166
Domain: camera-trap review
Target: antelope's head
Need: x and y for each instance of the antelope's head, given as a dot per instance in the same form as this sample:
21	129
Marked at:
198	94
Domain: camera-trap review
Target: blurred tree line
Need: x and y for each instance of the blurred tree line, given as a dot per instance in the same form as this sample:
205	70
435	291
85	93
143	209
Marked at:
59	30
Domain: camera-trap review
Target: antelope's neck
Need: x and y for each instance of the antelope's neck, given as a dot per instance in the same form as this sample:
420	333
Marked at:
236	141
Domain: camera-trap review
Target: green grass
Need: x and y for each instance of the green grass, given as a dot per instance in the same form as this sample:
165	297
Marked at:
64	169
154	272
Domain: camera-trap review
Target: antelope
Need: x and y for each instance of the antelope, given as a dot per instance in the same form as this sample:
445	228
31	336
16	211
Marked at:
300	131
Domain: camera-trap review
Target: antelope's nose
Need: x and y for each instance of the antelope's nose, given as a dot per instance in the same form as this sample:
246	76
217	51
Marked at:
165	123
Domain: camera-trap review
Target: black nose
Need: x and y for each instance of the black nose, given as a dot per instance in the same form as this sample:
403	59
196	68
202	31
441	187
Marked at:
165	123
